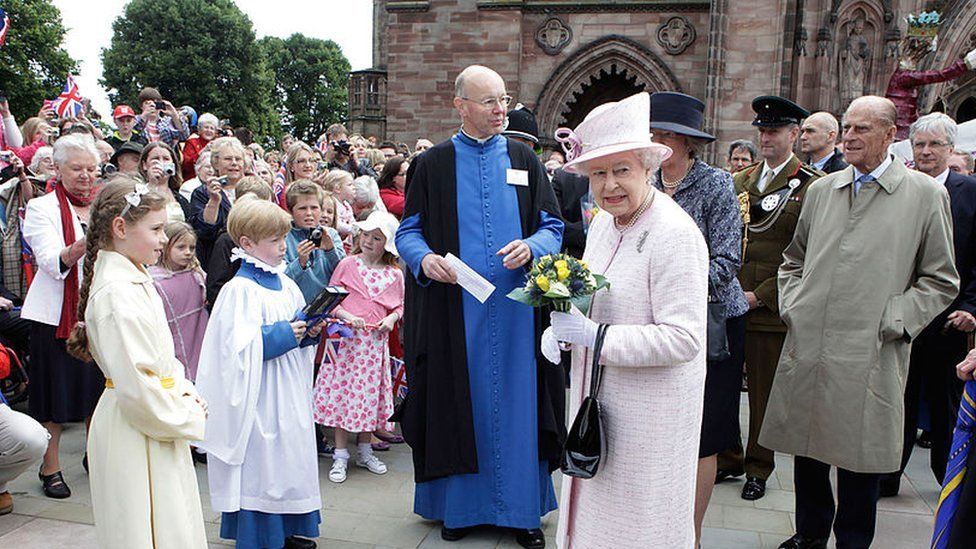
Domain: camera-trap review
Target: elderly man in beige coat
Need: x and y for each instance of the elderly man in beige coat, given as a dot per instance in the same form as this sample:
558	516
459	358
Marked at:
870	265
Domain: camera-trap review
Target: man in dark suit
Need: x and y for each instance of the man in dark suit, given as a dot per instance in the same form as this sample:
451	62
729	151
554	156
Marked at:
817	137
942	344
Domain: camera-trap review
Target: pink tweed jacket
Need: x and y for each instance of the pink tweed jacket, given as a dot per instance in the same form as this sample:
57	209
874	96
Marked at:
653	384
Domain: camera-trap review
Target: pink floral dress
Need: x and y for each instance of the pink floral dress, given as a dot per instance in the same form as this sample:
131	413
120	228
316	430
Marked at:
355	393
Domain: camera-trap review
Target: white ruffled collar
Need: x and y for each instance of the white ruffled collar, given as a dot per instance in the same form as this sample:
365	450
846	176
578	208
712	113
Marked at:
239	253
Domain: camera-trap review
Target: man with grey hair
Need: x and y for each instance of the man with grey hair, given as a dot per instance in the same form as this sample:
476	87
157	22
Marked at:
943	343
818	136
869	267
961	162
742	154
484	414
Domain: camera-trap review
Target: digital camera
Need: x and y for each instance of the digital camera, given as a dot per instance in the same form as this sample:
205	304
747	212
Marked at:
160	106
316	236
223	181
169	169
108	169
6	156
342	147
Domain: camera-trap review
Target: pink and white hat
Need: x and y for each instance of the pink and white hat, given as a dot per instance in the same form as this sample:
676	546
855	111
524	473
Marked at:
609	129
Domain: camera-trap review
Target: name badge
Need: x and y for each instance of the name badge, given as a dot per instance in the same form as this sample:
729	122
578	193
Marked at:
517	177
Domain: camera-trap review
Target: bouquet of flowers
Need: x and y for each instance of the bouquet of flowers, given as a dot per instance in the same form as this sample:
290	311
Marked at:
561	281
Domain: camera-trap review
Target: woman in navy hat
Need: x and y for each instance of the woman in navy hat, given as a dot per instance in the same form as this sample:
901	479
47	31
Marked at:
707	194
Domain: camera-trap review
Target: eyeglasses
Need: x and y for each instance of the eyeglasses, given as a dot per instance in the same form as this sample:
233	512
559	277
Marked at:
929	144
490	102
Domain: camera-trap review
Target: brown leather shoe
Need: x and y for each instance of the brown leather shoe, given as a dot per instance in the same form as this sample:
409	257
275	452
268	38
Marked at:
6	503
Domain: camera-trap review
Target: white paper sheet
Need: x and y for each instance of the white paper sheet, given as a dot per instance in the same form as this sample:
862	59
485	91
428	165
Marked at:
470	280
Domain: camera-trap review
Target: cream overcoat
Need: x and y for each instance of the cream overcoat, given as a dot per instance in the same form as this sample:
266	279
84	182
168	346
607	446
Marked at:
863	276
143	487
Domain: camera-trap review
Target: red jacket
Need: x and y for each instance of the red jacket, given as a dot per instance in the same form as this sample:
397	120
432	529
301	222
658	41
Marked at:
191	152
393	199
903	91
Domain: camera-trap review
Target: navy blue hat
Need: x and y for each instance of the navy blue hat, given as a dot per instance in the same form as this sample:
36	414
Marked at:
773	111
520	122
678	113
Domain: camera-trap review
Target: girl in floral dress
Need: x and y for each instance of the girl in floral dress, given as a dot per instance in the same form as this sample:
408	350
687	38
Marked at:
354	395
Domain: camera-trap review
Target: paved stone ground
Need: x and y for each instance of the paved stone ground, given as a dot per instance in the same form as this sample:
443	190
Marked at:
375	511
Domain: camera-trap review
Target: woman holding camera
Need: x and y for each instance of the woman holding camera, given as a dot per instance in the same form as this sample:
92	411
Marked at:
158	167
210	204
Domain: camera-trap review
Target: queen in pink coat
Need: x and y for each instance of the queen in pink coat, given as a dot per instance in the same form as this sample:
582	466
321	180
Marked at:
656	260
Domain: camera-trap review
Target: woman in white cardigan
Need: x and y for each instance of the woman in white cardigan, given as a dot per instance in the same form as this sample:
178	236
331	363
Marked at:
62	388
654	352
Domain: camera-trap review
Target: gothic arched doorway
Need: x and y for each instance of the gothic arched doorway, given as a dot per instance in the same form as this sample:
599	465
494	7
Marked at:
607	69
966	110
612	84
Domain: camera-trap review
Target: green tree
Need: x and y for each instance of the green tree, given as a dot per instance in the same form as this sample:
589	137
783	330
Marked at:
33	65
311	83
196	52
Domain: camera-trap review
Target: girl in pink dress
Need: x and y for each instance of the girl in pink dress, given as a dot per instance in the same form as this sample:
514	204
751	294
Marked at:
182	286
354	395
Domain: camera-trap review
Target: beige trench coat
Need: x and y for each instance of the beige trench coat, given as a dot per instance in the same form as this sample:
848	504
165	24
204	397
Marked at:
863	276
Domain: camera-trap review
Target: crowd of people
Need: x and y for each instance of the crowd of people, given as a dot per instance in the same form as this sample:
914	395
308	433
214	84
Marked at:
159	278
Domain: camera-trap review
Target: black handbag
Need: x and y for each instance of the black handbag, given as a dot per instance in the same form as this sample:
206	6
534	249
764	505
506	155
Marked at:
716	339
586	442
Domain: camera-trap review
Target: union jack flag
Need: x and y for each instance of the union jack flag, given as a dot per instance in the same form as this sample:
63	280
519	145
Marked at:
26	254
399	372
69	103
4	26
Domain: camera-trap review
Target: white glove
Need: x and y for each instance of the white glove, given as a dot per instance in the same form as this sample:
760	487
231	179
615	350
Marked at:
971	60
573	327
550	346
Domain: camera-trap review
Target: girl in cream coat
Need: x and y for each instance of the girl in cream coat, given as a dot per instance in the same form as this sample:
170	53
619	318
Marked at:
143	487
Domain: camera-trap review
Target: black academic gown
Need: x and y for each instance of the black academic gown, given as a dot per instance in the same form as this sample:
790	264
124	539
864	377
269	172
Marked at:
436	416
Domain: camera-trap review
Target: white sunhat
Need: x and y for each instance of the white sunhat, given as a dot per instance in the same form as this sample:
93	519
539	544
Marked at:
611	128
387	223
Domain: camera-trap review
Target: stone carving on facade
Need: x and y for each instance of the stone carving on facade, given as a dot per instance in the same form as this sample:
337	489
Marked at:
553	36
823	42
676	34
854	60
801	42
892	40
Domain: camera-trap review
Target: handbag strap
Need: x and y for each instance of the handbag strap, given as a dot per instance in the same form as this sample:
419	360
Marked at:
597	376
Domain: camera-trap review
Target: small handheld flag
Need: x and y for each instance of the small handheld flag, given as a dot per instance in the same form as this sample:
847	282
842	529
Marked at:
69	103
4	26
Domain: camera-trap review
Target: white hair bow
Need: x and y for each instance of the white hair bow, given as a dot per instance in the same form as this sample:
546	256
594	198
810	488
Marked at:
134	198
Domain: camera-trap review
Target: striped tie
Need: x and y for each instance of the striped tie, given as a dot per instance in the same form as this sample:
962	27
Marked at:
962	441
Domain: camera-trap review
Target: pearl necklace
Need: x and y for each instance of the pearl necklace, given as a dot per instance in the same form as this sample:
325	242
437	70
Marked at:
643	207
672	185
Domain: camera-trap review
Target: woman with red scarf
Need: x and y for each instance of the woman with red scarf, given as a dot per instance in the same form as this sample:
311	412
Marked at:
62	389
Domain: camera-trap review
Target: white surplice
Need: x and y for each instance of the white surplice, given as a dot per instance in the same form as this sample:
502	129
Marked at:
260	436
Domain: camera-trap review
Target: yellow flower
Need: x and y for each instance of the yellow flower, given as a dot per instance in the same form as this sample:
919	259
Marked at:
562	272
561	264
543	283
585	265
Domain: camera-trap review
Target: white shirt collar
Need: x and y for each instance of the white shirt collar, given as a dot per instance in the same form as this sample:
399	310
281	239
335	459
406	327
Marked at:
239	253
876	173
775	170
941	178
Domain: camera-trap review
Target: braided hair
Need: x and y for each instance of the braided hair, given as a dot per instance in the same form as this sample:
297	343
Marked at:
108	205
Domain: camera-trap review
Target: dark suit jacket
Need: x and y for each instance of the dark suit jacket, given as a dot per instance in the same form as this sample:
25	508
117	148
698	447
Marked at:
962	201
835	164
570	189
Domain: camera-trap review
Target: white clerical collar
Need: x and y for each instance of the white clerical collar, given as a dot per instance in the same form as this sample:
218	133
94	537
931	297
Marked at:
475	139
941	178
875	173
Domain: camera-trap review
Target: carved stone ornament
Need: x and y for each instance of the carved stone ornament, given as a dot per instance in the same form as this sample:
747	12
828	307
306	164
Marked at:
675	35
553	36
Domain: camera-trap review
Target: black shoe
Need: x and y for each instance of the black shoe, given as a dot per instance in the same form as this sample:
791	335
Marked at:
199	457
924	440
888	488
294	542
54	485
324	448
531	539
453	534
753	489
800	542
84	462
722	474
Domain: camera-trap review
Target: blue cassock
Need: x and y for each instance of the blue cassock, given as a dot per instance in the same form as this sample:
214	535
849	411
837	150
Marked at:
513	487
